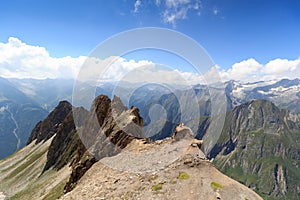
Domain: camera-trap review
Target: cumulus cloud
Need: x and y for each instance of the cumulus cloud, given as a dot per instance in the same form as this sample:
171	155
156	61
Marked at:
246	69
19	60
250	70
117	69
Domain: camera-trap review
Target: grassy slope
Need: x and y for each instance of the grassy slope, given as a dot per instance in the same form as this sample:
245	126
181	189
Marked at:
21	178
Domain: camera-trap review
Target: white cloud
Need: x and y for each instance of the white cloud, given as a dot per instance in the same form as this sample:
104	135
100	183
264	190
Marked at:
116	69
137	4
247	69
279	66
19	60
173	10
158	74
250	70
178	9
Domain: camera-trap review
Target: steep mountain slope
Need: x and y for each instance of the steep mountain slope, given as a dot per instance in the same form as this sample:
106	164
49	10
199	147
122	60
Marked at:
18	115
259	146
23	174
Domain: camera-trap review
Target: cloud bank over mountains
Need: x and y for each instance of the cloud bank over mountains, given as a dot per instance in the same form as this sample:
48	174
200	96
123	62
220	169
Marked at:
250	70
20	60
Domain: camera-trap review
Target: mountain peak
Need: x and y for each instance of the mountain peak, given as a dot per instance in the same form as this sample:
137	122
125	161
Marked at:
48	127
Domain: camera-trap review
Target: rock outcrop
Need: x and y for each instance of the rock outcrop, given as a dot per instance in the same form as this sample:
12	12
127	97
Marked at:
103	131
106	129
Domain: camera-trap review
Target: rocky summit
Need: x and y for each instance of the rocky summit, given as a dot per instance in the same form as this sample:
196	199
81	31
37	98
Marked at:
103	154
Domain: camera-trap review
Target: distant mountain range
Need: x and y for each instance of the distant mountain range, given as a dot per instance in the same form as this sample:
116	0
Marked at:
284	93
41	96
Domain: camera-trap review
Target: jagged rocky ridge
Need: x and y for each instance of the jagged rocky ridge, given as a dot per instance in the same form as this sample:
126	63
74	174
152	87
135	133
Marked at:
259	146
98	130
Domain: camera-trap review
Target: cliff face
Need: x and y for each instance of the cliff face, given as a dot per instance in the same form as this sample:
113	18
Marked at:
66	146
259	146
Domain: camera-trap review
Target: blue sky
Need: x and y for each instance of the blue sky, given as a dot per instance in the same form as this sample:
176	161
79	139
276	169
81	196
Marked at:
231	31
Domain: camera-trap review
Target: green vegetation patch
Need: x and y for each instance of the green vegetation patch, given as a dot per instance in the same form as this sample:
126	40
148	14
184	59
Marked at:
18	170
157	187
183	176
215	185
38	188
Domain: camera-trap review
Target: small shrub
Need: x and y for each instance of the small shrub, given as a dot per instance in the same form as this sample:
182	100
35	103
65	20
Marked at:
157	187
183	176
216	185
